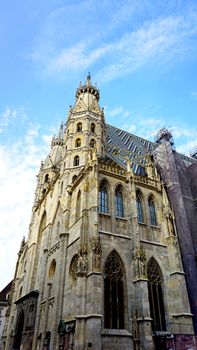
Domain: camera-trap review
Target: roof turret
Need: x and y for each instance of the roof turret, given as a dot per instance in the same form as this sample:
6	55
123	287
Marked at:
59	139
87	88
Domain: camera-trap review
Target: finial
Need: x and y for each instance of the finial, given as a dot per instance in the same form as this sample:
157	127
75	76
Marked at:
61	130
88	79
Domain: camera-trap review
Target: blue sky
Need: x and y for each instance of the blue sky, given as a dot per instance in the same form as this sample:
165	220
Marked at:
143	57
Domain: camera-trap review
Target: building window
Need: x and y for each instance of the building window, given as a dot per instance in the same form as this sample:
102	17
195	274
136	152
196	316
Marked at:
92	143
119	202
155	280
78	206
113	293
103	198
140	215
76	161
79	127
153	218
78	143
46	179
52	268
92	127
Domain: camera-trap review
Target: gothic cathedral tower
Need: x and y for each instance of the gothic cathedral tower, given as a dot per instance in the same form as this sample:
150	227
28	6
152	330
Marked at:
101	267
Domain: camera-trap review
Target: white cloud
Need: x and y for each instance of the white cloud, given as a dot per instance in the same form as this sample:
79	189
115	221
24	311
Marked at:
186	147
8	115
194	94
20	163
115	111
156	38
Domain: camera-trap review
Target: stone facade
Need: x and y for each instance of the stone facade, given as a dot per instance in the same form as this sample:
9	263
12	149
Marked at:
101	267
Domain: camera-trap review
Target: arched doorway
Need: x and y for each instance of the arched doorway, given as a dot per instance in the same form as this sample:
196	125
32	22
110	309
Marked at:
19	331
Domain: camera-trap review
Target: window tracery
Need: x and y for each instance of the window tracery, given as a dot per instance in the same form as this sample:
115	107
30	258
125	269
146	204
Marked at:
119	202
139	206
103	198
113	293
157	311
152	211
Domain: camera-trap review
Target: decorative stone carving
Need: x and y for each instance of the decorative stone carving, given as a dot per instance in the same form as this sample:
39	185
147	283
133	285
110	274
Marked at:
135	326
150	168
74	267
171	240
97	251
82	265
54	248
140	263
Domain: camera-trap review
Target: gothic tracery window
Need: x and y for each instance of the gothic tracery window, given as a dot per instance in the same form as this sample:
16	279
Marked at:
139	206
155	281
119	202
152	211
103	198
113	293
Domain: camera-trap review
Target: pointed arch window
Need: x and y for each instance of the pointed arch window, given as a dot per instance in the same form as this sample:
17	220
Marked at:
152	211
78	143
92	127
119	202
113	293
76	161
92	143
103	198
46	179
78	205
140	215
19	331
79	127
155	281
52	268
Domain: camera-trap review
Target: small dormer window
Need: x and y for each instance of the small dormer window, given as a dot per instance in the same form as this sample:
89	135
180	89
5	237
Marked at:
92	127
76	161
79	127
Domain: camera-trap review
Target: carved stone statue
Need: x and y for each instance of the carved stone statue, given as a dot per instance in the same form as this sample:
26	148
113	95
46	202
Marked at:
82	265
96	247
140	263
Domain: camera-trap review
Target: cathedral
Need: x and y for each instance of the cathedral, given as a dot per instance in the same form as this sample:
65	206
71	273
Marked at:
110	261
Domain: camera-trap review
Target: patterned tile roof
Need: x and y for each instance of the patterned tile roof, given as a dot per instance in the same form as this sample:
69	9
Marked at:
122	144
